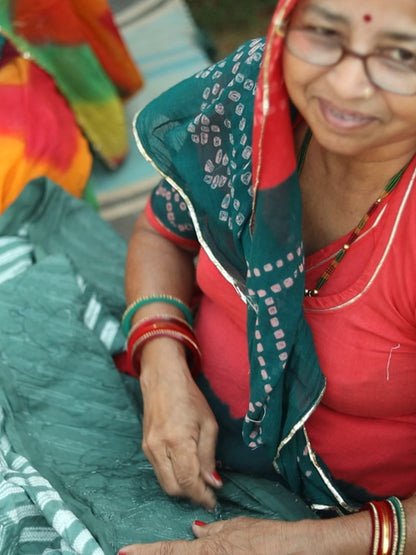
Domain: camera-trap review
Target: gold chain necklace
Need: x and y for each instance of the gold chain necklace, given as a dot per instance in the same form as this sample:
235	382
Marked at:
358	229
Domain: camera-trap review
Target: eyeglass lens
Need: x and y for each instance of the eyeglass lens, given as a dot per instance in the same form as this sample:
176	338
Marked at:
321	50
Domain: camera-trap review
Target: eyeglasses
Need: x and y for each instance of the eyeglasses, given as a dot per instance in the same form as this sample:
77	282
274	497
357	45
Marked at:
391	69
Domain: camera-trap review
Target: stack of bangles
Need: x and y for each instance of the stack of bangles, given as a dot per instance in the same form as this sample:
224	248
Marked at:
389	526
150	328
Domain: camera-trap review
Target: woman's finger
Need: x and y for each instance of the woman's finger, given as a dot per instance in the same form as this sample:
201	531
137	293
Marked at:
159	548
206	454
187	469
202	529
177	468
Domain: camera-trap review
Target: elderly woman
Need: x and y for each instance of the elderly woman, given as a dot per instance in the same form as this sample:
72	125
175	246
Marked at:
289	170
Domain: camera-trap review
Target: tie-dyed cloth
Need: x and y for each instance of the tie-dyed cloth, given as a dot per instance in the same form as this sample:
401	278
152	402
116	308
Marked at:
64	72
73	478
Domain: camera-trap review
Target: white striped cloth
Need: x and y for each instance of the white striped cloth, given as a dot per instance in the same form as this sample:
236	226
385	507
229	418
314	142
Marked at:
17	254
33	516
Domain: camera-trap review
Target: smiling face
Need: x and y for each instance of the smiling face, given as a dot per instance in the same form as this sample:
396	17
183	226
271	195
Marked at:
347	113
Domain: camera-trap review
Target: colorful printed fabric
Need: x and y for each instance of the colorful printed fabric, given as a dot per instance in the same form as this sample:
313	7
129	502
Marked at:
64	71
241	188
38	133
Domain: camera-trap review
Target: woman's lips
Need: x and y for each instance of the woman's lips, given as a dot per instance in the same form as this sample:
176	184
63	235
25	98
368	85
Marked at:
343	119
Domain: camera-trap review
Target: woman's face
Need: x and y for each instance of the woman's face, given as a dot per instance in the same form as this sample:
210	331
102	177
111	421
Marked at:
345	111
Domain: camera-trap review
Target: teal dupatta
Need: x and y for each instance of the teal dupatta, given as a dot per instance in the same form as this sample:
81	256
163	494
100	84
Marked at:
247	216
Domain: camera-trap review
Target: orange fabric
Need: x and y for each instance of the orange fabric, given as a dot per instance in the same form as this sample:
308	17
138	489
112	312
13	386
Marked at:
38	133
73	22
104	38
80	48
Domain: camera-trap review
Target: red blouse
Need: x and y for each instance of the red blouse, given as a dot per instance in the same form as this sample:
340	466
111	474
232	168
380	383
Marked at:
364	327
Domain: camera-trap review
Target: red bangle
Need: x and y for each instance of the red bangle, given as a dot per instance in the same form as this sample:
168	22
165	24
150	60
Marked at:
194	355
163	326
159	319
154	323
385	527
146	328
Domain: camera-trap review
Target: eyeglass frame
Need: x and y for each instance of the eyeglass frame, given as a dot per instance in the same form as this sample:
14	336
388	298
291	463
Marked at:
284	29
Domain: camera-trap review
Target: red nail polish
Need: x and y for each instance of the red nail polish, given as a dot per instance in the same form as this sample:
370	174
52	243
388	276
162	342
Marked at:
122	553
216	477
196	522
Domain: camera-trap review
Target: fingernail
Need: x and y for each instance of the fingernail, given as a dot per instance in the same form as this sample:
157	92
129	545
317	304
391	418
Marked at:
122	553
196	522
217	477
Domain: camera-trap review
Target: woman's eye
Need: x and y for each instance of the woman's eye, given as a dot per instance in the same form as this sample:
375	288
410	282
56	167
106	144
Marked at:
321	31
400	55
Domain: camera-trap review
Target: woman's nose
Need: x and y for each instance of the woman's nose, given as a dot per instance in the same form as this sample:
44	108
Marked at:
349	77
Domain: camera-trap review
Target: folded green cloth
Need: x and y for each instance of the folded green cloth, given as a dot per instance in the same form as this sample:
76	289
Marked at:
73	478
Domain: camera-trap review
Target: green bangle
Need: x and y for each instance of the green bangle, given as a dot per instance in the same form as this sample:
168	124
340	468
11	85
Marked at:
401	517
143	301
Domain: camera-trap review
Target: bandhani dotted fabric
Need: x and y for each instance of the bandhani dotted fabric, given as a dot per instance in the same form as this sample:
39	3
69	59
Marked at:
199	135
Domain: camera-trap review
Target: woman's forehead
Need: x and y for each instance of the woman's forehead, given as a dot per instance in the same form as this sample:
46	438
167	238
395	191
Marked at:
397	12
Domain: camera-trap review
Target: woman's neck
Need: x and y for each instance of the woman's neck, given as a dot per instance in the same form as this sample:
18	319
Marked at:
362	176
355	177
337	191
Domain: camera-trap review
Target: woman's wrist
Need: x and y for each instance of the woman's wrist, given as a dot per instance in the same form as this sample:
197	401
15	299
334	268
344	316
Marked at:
338	536
162	326
163	358
346	534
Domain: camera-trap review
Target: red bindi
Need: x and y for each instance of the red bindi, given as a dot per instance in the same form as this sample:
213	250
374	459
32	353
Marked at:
367	18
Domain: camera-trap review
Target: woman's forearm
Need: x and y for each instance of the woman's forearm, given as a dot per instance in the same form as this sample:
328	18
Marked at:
353	534
179	429
410	510
156	266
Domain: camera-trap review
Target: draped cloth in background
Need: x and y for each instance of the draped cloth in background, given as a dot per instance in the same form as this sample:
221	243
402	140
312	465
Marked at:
64	73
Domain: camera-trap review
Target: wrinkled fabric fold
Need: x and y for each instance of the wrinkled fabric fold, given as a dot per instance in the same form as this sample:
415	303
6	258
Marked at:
73	476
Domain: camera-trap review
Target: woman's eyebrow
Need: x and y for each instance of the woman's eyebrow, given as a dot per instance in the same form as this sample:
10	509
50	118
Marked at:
400	36
328	15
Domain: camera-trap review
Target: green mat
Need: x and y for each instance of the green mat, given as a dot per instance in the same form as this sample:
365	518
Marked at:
72	476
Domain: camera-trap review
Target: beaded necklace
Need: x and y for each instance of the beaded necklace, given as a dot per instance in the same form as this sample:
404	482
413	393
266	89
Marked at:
356	232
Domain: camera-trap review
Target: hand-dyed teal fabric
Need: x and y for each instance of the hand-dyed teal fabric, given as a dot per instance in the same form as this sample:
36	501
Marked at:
199	135
73	478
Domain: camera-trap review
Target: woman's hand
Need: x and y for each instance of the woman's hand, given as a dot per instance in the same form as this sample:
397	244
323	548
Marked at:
179	429
340	536
239	535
